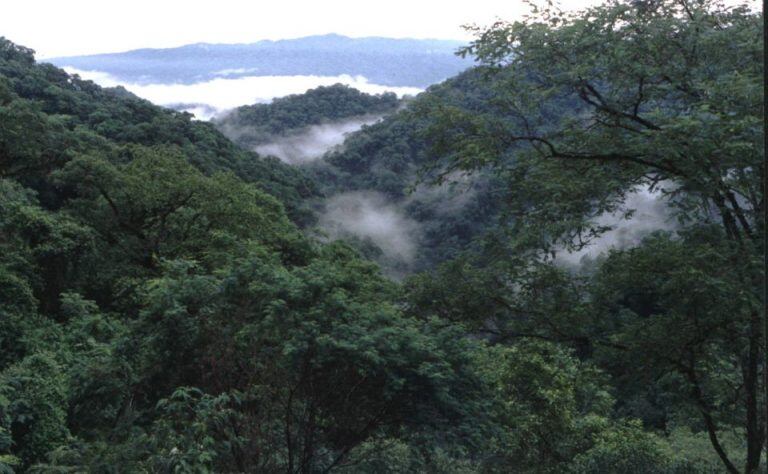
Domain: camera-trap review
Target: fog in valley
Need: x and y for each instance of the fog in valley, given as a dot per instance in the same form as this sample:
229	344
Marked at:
369	216
314	141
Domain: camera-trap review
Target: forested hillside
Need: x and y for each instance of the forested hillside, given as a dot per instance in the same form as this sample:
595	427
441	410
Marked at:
168	304
252	125
390	162
587	108
50	116
381	168
160	312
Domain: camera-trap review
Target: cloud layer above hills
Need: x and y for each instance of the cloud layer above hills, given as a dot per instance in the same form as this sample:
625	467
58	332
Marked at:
217	95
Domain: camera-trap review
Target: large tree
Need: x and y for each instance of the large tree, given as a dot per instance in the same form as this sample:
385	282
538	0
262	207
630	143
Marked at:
591	106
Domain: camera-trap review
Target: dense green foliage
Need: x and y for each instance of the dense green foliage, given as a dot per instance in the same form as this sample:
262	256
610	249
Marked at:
49	117
162	311
586	109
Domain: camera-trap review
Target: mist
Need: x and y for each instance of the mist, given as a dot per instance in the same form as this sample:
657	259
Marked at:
651	214
369	216
448	197
213	97
314	141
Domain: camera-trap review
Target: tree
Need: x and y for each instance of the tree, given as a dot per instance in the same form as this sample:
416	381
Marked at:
34	396
317	356
685	317
620	97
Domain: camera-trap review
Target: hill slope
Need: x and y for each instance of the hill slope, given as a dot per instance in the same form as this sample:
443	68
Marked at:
252	125
149	287
53	116
368	181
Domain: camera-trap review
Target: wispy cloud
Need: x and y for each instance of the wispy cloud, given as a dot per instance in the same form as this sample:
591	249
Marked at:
370	216
651	213
314	141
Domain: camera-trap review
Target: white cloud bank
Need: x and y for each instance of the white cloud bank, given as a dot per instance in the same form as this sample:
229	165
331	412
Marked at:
222	94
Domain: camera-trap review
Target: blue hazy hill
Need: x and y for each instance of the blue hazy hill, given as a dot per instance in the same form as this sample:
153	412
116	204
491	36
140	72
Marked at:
386	61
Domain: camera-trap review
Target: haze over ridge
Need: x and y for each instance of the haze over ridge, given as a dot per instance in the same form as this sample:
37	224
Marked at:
385	61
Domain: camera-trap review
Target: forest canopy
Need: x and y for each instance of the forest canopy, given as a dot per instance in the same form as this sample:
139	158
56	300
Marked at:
165	306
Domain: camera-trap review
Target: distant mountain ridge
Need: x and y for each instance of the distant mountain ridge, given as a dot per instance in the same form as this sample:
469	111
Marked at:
385	61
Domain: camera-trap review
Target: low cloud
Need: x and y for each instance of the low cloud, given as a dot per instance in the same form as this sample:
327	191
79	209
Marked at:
368	216
200	111
450	196
651	214
224	93
314	141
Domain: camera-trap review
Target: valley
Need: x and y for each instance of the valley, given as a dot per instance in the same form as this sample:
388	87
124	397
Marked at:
540	250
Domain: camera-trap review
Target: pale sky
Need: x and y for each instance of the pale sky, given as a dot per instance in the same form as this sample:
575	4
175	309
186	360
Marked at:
72	27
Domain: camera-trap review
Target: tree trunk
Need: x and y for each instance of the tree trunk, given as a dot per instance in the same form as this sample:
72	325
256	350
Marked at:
751	386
